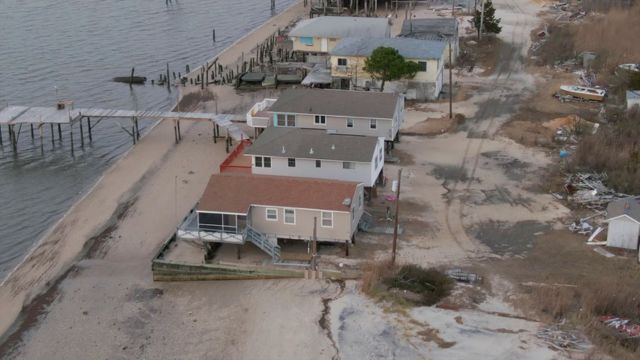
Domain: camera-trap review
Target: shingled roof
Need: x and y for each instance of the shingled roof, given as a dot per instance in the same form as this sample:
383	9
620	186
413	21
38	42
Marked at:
407	47
367	104
313	144
629	206
429	28
341	26
235	193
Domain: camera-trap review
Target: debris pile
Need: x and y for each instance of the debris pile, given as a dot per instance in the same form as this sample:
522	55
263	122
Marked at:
625	327
463	276
559	339
588	190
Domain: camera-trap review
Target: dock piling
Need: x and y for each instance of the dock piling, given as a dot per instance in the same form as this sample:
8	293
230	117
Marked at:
1	144
89	127
31	126
41	138
137	128
81	134
59	133
71	137
53	136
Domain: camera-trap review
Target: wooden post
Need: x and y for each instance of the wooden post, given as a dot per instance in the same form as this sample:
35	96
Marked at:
395	225
31	125
450	83
175	130
81	134
59	132
214	36
346	248
133	133
89	127
135	121
314	246
71	136
168	80
179	132
214	132
1	144
53	136
41	138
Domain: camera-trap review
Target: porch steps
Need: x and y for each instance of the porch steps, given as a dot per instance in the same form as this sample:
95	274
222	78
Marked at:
262	242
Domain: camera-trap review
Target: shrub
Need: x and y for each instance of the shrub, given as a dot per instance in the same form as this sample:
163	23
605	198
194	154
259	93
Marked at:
431	284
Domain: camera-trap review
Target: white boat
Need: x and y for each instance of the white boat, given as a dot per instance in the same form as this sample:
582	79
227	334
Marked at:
630	67
583	92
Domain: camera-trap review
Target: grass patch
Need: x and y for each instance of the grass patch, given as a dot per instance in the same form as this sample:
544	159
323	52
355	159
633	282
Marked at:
405	285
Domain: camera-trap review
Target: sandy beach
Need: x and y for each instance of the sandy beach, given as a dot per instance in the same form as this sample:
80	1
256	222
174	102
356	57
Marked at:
90	225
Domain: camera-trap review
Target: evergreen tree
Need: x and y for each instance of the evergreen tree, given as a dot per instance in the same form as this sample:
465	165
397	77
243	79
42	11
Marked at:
491	24
387	64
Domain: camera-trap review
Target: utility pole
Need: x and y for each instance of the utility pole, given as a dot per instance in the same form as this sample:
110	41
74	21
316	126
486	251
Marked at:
314	246
395	225
453	15
481	21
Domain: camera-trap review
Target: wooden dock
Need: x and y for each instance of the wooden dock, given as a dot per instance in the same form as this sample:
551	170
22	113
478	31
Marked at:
14	117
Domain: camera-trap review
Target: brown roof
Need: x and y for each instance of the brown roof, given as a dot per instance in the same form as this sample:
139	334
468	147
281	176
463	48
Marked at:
235	193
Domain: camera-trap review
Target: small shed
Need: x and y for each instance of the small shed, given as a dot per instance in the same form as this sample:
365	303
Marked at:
633	98
623	216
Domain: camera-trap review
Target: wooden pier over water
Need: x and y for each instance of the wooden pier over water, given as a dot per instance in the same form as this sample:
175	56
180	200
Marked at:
14	117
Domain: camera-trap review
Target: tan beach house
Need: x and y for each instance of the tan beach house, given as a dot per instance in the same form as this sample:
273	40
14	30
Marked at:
236	208
348	65
319	35
315	153
367	113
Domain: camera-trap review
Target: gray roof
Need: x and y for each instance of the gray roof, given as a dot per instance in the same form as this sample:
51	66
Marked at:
313	144
366	104
628	206
341	26
429	28
407	47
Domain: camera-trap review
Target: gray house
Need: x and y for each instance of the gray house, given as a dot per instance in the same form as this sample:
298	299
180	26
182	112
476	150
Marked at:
441	29
336	111
623	216
314	153
348	65
238	208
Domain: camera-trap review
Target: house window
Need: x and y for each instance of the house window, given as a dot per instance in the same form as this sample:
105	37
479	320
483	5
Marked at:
342	62
286	120
348	165
226	223
327	219
349	123
291	120
320	120
272	214
373	124
262	161
422	66
306	40
318	163
290	216
291	162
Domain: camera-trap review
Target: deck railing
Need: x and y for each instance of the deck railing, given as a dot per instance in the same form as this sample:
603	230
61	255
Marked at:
253	119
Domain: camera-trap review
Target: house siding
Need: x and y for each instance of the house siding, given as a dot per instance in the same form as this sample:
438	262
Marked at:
344	226
316	47
361	126
364	172
426	84
623	233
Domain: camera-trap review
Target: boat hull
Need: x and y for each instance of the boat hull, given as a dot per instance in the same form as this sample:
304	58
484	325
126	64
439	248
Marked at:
583	93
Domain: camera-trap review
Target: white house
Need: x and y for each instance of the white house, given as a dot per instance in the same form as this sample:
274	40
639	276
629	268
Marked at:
319	35
348	65
314	153
623	217
344	112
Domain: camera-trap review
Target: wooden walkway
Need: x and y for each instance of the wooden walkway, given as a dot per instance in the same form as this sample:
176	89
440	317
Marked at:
13	116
